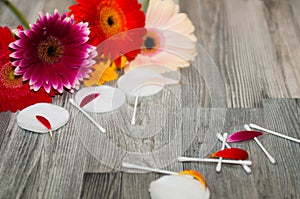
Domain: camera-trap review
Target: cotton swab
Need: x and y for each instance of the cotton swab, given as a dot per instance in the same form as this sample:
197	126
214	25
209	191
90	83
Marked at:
219	165
159	81
211	160
88	116
245	167
133	119
220	137
272	160
254	126
134	109
133	166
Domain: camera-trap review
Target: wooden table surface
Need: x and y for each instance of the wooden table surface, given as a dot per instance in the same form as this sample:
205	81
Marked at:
255	45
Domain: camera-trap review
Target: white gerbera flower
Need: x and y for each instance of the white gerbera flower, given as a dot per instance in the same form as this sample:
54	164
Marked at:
170	39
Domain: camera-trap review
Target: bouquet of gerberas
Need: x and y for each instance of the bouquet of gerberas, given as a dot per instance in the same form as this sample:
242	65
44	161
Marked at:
90	44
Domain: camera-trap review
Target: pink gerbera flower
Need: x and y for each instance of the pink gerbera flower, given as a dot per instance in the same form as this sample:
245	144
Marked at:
54	53
14	93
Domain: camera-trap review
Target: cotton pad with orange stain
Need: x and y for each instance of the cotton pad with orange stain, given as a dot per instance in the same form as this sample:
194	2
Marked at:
198	176
186	184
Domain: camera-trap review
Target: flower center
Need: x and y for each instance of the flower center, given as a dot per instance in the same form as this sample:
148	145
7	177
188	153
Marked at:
111	21
7	76
152	43
50	50
149	43
11	75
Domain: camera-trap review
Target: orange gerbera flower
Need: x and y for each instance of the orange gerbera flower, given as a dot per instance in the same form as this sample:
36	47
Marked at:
117	26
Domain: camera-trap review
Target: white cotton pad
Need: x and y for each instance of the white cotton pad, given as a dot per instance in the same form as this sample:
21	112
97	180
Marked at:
178	187
143	81
109	98
56	115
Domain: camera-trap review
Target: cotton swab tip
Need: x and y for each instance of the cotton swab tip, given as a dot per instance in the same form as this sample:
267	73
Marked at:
219	165
271	159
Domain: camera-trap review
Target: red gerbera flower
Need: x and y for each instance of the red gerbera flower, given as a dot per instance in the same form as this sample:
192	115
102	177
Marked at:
6	38
117	25
14	93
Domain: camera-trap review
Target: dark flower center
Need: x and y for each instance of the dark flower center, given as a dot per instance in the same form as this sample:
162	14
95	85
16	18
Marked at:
110	21
50	50
149	43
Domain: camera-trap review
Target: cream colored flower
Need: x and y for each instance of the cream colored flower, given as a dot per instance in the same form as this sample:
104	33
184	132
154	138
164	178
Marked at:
170	41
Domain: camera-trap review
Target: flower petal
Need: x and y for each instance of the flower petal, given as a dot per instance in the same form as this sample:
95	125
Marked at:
109	99
87	99
243	136
231	153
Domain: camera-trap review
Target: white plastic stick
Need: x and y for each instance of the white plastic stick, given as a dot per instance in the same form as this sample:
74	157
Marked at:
254	126
271	159
51	134
245	167
133	166
87	115
219	165
220	137
134	109
137	97
211	160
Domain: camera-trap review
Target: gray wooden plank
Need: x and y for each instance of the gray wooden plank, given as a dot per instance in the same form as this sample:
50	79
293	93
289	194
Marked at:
262	169
64	161
133	182
20	153
283	21
34	166
246	45
281	115
117	185
4	122
101	185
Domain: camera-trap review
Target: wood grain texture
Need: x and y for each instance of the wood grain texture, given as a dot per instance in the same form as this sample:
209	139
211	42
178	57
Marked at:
40	167
248	41
255	45
117	185
266	181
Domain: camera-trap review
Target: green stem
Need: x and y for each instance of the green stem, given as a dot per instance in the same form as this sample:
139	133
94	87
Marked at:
145	5
19	15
